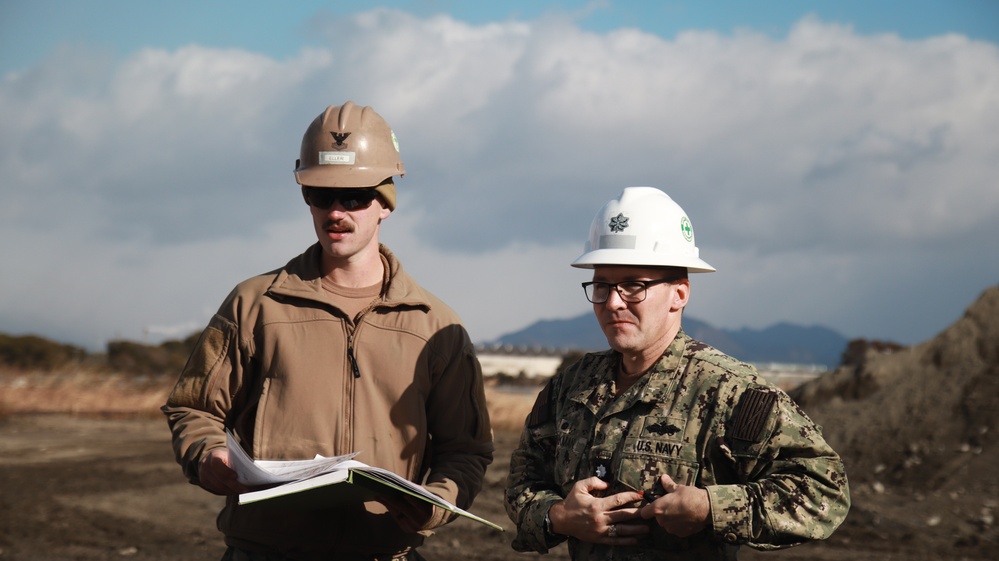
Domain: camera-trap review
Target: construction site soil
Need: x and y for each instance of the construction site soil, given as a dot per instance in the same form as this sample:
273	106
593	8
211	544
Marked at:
915	426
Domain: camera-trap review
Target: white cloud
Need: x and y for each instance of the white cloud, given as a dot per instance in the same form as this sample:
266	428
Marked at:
833	178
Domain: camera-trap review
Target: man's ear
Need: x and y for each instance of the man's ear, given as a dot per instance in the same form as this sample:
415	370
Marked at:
681	296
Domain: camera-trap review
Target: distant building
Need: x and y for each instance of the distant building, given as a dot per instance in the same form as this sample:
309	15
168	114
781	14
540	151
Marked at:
542	363
789	376
522	362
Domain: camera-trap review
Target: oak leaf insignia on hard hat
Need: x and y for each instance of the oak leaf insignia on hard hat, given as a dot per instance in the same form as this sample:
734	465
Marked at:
618	223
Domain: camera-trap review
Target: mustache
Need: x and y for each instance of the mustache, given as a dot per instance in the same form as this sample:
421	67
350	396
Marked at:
340	225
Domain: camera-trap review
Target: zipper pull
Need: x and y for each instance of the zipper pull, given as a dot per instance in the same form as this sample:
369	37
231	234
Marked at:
350	355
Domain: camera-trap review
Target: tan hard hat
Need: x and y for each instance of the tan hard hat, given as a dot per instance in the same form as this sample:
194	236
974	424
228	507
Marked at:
350	146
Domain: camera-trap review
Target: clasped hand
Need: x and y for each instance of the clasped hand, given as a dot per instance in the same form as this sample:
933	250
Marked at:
682	511
614	520
611	520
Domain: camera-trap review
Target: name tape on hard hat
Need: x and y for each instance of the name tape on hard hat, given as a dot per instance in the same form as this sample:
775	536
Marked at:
618	242
336	158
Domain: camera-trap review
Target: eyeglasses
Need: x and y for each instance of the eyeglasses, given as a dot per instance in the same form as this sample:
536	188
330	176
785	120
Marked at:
351	199
629	291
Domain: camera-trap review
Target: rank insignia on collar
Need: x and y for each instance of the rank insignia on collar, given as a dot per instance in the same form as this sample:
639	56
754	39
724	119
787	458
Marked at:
601	471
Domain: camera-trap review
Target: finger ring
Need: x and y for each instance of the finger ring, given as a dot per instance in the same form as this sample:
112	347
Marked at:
612	531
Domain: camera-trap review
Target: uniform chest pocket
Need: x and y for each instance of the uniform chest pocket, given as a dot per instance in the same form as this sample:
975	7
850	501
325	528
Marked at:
654	448
640	471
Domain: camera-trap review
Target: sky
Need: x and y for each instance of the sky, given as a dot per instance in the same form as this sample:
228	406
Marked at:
839	161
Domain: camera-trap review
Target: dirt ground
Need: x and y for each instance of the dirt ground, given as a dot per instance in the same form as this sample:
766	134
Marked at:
83	488
87	470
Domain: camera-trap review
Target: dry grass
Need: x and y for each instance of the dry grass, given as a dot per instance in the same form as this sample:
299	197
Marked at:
90	392
82	392
507	410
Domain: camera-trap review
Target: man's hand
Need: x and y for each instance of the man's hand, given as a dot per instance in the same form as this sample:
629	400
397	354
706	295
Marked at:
682	511
597	519
215	475
410	514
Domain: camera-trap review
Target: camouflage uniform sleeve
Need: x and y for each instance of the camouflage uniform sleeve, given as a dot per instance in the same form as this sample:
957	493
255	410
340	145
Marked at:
792	487
531	486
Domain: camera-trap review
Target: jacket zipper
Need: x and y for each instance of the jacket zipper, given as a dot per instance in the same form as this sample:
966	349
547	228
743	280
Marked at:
350	355
351	332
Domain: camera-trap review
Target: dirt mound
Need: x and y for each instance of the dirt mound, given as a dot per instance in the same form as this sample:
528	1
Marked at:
920	422
921	416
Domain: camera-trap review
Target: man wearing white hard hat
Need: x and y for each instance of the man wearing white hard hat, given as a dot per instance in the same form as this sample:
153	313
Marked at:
663	447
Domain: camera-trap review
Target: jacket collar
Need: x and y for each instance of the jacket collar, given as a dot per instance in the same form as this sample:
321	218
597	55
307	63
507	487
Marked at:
301	278
661	380
654	387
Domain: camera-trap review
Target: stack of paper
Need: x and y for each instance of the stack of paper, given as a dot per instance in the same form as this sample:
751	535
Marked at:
318	476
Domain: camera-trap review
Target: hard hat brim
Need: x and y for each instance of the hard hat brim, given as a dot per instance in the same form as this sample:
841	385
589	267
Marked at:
629	258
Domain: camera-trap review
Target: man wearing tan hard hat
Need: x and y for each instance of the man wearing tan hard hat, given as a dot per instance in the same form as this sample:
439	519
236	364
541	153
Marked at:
338	351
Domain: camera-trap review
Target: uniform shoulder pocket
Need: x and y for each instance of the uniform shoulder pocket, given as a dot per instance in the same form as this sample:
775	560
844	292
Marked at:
202	366
753	421
754	414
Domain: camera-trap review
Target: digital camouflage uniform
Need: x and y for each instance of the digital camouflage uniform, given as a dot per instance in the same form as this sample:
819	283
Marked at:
699	416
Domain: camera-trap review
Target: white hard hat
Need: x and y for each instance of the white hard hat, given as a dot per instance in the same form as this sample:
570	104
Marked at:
642	227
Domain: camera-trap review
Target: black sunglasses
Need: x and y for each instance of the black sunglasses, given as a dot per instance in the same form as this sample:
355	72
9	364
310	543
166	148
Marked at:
351	199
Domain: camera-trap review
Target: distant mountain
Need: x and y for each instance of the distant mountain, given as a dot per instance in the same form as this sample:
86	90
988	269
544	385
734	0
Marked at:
783	342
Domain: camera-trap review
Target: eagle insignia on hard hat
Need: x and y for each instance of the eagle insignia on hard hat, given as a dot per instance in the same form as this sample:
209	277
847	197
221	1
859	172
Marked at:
618	223
339	138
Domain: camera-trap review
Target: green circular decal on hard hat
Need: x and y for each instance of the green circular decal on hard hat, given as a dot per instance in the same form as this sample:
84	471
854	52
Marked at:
687	229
